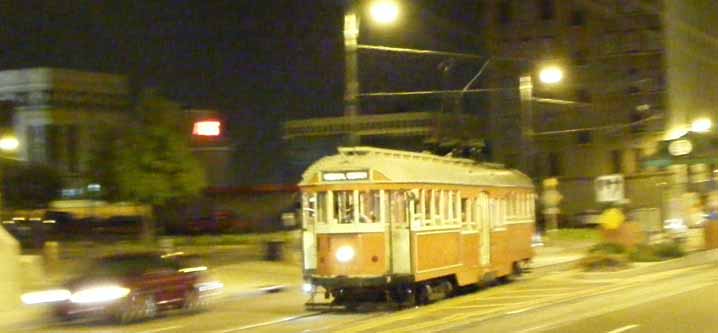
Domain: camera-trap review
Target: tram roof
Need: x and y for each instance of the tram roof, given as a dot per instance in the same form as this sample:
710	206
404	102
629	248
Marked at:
410	167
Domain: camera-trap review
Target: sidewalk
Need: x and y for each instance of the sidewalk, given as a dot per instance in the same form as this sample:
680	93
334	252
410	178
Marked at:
559	254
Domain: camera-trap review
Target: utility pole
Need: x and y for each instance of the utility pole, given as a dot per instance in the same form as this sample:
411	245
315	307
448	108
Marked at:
351	71
525	92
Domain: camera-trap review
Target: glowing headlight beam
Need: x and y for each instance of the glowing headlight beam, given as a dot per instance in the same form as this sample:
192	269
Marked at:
99	294
345	254
45	296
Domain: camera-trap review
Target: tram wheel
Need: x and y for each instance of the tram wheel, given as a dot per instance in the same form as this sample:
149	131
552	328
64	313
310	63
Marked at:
422	294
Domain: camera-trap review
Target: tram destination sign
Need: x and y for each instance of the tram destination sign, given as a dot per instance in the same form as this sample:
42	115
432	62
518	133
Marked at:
337	176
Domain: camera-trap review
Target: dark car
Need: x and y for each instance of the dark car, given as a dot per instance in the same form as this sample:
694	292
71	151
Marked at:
130	287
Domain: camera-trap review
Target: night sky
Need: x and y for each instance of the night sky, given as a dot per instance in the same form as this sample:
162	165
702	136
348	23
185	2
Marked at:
260	62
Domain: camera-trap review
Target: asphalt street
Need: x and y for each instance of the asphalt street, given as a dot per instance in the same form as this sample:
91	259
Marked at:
681	299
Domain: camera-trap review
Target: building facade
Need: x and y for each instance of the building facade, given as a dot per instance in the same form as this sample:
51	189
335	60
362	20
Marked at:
613	56
309	139
56	110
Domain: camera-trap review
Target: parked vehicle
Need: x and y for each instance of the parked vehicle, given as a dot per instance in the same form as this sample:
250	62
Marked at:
130	287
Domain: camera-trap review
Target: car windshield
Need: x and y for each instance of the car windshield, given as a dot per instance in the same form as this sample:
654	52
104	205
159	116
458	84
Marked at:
125	266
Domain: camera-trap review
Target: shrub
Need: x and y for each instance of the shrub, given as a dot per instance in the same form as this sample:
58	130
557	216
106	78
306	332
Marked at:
603	262
643	253
656	252
607	248
669	250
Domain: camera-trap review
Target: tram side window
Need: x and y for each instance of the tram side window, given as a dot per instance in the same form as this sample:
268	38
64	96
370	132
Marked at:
397	207
369	205
308	207
321	207
468	221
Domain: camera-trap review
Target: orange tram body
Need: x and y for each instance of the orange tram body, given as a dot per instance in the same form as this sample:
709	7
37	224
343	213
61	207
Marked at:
382	224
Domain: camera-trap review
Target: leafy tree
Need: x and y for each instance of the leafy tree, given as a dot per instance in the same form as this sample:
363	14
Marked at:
149	161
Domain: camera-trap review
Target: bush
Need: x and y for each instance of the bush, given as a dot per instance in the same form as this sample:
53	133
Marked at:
643	253
603	262
669	250
656	252
607	248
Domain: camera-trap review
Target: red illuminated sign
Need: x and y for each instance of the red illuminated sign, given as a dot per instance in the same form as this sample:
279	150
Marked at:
206	128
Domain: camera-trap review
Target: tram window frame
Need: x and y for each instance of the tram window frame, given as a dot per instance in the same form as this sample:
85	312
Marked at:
425	207
309	208
343	202
320	207
369	210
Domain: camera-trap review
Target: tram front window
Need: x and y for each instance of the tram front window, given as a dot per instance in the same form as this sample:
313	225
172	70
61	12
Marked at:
344	209
357	206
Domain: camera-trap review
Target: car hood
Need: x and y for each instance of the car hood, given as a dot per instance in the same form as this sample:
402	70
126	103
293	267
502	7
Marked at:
78	283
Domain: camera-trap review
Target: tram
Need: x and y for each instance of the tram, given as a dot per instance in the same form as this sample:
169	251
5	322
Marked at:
381	224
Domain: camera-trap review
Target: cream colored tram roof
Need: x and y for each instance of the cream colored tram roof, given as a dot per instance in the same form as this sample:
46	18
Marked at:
409	167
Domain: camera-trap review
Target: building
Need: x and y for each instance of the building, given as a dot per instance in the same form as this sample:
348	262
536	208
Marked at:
613	56
309	139
55	111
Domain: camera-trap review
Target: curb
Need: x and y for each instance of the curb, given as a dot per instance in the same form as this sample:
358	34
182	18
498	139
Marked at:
692	259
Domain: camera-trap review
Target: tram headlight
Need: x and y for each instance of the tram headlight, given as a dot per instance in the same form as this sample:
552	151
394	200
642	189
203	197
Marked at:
345	254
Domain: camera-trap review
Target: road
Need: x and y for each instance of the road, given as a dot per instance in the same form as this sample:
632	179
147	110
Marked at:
680	300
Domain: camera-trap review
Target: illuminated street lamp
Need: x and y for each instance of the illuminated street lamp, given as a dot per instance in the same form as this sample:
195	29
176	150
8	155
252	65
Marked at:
384	12
547	75
551	75
381	11
8	143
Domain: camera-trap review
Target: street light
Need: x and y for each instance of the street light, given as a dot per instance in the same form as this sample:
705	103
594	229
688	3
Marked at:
8	143
547	75
384	12
381	11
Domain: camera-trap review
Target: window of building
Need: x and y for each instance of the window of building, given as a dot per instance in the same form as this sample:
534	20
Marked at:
504	12
584	138
637	158
583	95
546	9
554	164
72	148
616	161
578	18
580	58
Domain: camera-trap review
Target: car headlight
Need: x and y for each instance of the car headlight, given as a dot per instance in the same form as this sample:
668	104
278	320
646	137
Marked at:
99	294
46	296
345	253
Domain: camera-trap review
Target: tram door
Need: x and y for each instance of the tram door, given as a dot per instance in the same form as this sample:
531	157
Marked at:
484	215
398	216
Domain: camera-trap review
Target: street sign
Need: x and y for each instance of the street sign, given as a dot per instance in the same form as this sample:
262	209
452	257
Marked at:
609	188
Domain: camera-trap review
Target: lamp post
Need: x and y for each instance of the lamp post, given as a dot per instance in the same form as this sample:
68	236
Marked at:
547	75
383	12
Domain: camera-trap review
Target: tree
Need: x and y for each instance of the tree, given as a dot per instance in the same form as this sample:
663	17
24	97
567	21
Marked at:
29	186
149	161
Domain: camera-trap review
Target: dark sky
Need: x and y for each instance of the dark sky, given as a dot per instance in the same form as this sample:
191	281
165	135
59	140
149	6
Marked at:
260	61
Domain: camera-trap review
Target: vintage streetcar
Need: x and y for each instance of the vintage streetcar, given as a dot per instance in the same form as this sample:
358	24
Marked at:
408	227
